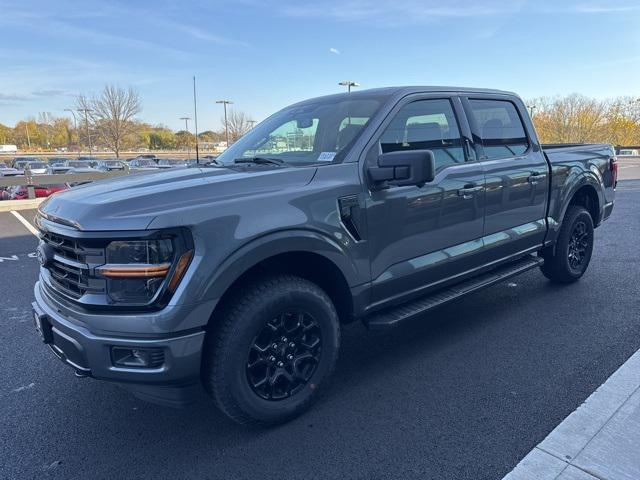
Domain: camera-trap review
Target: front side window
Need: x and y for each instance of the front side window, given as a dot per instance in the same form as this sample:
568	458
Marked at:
426	125
501	129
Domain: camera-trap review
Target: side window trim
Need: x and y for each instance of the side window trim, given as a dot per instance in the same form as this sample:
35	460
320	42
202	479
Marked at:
475	128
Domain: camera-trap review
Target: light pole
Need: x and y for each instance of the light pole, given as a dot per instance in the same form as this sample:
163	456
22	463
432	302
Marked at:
531	109
75	122
349	84
226	125
26	129
186	127
86	121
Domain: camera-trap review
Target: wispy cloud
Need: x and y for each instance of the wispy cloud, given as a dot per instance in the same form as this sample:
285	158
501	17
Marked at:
335	51
607	8
400	11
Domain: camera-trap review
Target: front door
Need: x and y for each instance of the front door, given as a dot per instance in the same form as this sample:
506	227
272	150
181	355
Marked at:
516	174
420	235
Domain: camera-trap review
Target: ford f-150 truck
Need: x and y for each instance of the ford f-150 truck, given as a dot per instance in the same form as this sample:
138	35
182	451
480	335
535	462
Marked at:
377	206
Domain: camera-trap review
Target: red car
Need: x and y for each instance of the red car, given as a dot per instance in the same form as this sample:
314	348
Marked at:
21	193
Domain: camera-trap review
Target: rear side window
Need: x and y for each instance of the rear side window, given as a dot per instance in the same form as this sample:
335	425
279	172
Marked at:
426	125
501	129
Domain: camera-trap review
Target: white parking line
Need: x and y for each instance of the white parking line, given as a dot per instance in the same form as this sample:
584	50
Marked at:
23	221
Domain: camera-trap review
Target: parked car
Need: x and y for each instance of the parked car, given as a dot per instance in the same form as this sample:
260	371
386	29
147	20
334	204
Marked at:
80	166
7	171
37	166
171	163
143	164
53	161
240	280
110	165
41	191
629	152
71	166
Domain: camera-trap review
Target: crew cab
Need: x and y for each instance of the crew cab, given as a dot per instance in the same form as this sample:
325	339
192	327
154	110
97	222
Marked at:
377	206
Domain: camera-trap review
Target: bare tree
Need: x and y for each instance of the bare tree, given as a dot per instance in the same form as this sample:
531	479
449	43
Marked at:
238	124
112	113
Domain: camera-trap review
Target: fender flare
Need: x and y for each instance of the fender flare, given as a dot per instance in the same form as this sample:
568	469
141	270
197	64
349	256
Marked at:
264	247
586	178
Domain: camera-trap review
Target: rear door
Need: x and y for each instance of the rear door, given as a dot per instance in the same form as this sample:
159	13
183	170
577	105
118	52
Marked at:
422	235
516	175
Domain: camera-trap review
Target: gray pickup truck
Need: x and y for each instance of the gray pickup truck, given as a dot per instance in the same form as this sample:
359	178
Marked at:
376	206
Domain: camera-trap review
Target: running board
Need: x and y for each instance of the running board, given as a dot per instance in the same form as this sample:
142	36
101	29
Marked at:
391	317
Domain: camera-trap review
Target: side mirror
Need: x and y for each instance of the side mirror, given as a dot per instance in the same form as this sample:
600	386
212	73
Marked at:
401	168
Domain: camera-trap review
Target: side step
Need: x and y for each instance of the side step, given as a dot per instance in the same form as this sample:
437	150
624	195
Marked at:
391	317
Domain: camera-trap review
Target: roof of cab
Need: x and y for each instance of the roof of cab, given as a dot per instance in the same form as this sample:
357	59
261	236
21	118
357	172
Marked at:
402	91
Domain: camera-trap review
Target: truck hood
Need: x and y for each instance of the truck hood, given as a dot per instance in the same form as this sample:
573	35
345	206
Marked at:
132	202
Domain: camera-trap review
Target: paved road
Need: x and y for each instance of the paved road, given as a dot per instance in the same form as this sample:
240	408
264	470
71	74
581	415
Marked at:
464	393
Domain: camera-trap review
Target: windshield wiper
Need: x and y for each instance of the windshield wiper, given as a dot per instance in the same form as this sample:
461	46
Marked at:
211	163
260	160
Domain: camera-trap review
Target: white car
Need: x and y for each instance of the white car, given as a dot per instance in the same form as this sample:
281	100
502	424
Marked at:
7	171
37	167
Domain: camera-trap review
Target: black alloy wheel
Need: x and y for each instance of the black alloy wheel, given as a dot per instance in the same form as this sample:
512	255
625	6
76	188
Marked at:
284	355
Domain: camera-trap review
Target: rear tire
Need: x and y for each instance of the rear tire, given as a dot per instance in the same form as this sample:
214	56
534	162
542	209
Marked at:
272	350
570	258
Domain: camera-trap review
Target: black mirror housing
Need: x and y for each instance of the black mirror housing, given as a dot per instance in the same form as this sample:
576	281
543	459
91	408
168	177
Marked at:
402	168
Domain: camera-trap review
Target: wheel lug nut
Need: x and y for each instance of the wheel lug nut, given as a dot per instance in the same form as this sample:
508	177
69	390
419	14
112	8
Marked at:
272	358
290	357
275	345
280	364
284	339
292	344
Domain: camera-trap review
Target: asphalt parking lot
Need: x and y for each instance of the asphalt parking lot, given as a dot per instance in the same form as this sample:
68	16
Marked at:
463	393
628	168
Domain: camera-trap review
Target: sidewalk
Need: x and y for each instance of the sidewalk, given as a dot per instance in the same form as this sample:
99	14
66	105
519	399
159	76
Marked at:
598	441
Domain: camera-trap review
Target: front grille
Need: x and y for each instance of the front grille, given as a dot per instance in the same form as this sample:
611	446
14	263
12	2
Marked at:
65	247
69	268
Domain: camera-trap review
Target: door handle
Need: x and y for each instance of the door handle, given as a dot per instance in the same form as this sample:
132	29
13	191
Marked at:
468	191
535	177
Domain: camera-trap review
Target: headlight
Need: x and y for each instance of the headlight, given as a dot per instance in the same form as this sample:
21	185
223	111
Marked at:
136	270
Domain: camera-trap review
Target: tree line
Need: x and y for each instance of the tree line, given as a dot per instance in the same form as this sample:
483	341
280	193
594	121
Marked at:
579	119
108	121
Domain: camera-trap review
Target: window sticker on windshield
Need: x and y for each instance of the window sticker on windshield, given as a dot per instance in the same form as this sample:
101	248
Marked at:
326	156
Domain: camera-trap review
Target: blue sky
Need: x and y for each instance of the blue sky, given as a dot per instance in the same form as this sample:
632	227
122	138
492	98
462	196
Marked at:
264	55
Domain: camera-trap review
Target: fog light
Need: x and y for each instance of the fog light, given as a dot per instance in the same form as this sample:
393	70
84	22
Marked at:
137	357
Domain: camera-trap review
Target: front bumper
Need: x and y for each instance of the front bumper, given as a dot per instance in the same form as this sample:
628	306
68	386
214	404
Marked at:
175	382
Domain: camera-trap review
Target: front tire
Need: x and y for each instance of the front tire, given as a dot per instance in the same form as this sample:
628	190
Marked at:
272	350
570	258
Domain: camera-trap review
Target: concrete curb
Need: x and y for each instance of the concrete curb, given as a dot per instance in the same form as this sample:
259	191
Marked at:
598	441
12	205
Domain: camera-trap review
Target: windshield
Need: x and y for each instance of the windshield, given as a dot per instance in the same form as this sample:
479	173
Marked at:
79	164
33	165
320	131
